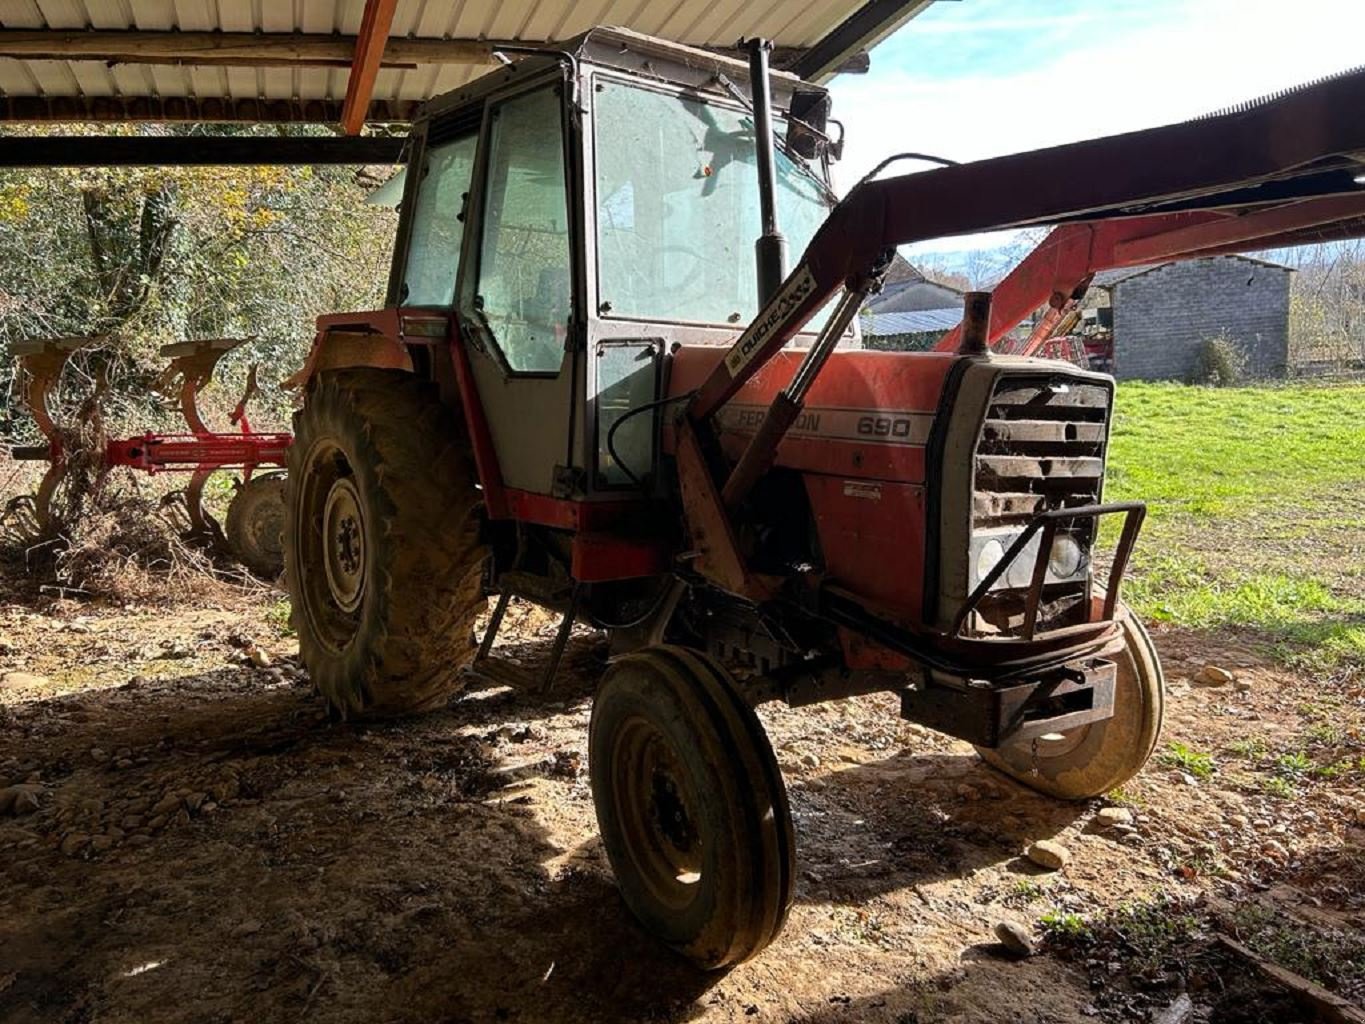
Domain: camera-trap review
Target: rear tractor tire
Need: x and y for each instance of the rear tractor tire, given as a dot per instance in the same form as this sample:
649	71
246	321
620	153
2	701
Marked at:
1091	760
382	552
691	806
255	525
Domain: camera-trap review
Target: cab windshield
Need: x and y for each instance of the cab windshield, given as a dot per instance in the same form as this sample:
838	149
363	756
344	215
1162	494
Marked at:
677	207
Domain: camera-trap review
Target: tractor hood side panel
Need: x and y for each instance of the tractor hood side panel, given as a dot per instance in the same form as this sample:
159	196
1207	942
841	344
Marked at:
860	445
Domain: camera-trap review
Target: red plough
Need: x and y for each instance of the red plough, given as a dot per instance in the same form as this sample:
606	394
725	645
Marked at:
255	515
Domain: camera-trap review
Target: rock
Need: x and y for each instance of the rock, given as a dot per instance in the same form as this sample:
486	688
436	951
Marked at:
1011	823
20	799
22	681
257	657
1048	854
1178	1012
25	802
1015	938
1238	820
810	759
74	843
157	822
195	800
966	792
166	805
1212	675
224	789
1242	685
1108	817
248	927
101	843
123	763
1360	815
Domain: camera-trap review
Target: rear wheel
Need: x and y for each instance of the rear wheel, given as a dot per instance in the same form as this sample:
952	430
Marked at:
691	806
1090	760
255	525
383	557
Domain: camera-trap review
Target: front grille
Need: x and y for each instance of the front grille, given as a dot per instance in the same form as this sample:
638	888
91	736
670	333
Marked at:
1042	447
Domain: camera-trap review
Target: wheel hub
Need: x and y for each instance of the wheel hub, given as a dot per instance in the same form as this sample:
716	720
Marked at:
343	534
654	806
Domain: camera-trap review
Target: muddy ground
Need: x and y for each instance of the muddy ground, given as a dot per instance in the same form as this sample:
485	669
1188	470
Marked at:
200	842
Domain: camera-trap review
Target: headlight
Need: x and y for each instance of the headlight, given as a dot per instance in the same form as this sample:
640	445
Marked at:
1020	573
1066	558
987	558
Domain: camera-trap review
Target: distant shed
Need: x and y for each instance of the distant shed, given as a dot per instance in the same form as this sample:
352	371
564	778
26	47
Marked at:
910	331
1163	312
911	312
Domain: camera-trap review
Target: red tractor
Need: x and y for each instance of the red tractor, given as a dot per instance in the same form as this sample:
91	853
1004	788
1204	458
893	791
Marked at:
594	389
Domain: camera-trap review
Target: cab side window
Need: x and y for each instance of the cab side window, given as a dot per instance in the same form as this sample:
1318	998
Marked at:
524	290
433	258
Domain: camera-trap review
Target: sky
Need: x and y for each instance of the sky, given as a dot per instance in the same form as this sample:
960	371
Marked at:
969	79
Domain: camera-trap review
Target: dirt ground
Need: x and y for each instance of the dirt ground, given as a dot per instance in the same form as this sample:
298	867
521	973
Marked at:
207	845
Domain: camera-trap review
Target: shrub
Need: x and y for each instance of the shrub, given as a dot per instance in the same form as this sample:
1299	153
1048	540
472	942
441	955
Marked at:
1219	362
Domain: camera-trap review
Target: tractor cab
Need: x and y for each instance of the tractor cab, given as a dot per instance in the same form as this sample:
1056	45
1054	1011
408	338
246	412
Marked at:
580	215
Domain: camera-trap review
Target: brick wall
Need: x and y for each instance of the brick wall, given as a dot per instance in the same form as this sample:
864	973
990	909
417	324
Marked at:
1163	316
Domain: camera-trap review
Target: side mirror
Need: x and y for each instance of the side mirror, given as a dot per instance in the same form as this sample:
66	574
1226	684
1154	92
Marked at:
808	125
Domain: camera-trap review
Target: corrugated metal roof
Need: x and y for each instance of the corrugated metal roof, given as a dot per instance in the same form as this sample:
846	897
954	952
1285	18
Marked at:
710	23
921	321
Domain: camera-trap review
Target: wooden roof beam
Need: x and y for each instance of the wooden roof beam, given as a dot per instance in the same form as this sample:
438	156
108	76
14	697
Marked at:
240	49
290	49
369	50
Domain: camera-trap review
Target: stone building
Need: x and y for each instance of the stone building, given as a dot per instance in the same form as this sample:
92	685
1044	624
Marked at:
1163	312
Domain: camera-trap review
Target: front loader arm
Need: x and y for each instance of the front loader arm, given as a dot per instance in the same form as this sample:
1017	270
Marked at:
1058	271
1285	161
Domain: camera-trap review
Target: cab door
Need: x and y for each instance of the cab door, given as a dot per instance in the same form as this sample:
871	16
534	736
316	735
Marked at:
515	294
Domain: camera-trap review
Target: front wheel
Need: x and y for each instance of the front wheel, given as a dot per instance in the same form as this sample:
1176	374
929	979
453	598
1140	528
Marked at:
1090	760
691	806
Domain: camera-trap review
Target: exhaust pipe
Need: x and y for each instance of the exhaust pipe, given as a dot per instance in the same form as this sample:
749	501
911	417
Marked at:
770	251
976	324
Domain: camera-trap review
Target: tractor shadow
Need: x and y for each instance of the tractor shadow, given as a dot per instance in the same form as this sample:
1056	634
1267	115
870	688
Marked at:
381	871
912	819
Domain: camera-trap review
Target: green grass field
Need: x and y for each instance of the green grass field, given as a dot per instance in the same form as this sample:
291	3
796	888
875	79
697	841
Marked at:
1254	514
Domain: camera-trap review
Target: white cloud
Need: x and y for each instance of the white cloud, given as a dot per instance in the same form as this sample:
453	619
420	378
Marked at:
1206	55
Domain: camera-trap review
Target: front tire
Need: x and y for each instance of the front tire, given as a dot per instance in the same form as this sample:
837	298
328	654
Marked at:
382	553
1091	760
691	806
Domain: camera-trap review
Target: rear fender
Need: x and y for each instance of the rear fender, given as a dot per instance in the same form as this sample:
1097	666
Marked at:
378	339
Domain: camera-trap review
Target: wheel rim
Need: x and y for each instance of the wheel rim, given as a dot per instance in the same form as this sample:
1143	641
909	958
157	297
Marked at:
262	510
655	806
343	537
1059	744
330	535
266	528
